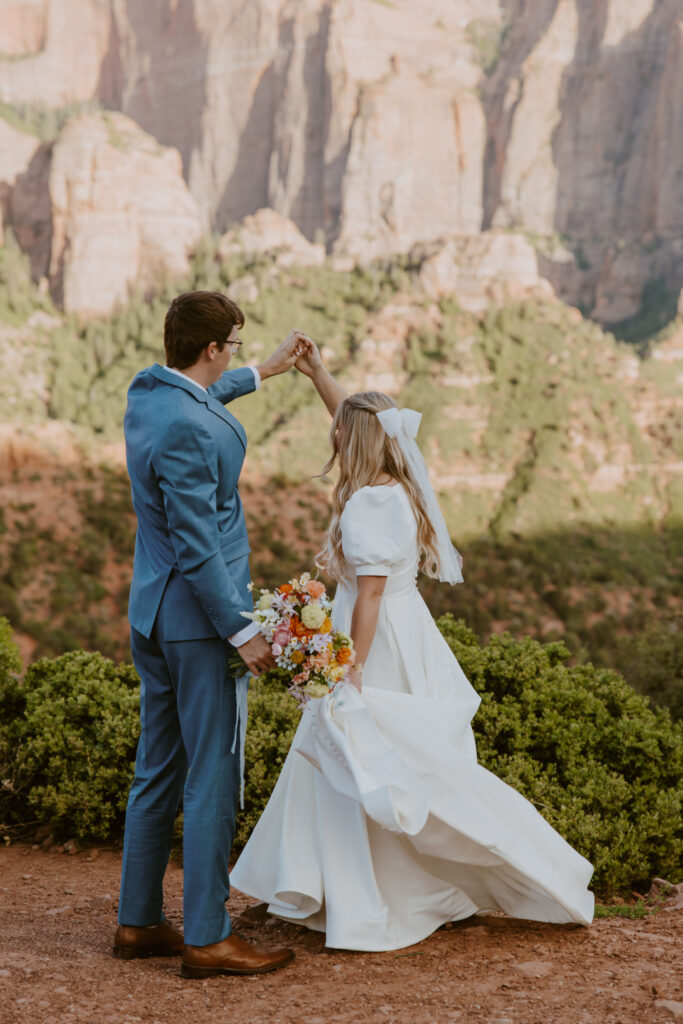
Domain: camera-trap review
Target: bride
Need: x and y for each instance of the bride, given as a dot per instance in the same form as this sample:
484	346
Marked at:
382	826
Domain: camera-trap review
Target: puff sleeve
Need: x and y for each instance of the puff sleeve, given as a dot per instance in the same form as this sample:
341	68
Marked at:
378	530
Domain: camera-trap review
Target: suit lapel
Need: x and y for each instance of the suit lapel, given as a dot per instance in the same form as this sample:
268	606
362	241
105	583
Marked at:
212	404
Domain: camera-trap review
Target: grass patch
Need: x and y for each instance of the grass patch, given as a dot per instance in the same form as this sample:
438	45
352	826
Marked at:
43	122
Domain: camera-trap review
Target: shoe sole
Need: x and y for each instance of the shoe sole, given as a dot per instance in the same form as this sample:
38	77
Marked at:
212	972
131	953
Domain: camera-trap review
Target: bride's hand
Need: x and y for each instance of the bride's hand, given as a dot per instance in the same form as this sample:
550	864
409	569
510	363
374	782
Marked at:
295	345
355	677
309	361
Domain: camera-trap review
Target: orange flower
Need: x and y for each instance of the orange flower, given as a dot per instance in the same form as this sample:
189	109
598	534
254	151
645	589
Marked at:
298	629
315	589
326	626
344	655
286	588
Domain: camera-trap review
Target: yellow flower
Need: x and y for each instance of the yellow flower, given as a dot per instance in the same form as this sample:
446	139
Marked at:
297	657
264	602
316	690
313	616
337	673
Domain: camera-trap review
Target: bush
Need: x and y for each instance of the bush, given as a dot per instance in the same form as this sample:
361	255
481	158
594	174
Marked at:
602	766
273	719
77	738
12	706
653	662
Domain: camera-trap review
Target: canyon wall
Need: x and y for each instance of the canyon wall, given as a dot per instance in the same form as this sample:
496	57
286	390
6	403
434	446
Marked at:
376	125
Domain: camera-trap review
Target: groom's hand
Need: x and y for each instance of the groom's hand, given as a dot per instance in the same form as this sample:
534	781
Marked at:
284	357
257	655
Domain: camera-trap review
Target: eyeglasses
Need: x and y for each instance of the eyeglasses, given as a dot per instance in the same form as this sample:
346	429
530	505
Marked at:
235	345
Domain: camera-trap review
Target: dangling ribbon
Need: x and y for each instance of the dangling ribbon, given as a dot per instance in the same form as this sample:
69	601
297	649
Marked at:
403	424
241	714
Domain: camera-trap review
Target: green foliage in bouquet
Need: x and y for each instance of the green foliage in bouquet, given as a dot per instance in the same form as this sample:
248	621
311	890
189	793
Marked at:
75	733
601	765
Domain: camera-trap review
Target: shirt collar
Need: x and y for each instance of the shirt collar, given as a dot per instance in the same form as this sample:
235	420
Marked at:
172	369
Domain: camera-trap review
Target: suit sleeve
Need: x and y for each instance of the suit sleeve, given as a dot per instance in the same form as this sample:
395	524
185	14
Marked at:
186	467
235	383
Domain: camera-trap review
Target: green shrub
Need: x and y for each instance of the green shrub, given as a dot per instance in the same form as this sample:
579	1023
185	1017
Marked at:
12	705
652	661
79	732
602	766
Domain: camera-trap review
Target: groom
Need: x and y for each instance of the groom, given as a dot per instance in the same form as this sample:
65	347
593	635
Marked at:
190	584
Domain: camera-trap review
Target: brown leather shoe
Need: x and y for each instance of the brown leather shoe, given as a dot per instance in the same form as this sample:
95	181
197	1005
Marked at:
231	956
131	942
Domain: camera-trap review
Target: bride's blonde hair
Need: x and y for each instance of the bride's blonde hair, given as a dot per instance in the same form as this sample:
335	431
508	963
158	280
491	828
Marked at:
364	452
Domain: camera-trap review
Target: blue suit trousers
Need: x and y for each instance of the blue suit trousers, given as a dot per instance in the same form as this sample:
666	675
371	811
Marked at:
188	715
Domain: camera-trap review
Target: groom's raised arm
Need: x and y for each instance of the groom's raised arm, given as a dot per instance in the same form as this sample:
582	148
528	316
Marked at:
234	383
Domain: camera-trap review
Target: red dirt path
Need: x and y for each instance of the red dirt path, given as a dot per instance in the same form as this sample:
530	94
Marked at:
57	919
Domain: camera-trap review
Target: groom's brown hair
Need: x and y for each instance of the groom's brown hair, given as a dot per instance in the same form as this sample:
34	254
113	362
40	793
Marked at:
193	321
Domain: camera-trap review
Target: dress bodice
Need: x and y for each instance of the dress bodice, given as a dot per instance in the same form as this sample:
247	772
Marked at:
379	536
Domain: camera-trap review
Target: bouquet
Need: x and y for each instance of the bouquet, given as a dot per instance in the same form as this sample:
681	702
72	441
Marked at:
295	620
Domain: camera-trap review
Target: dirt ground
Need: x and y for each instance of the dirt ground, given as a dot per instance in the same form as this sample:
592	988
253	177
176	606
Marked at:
57	920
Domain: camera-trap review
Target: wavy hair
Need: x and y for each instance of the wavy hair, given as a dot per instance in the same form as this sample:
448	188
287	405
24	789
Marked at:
365	451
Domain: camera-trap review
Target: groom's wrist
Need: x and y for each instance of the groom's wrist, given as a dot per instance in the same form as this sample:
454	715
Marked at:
264	371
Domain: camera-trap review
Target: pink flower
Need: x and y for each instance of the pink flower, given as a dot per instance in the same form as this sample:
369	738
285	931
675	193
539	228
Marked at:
276	649
282	636
315	589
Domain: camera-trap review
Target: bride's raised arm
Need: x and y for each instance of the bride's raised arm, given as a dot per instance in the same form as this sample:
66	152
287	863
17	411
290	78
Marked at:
311	364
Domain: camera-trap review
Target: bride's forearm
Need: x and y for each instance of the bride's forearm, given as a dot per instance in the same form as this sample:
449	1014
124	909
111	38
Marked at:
364	626
365	616
330	391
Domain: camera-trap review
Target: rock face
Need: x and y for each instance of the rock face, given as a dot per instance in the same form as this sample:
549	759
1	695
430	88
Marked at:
482	269
102	209
58	48
121	213
268	231
24	26
17	149
584	141
384	125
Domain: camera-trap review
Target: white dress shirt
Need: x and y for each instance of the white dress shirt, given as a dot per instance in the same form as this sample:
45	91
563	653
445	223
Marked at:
252	629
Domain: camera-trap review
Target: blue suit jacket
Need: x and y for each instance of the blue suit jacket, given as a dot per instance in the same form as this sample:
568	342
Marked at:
185	453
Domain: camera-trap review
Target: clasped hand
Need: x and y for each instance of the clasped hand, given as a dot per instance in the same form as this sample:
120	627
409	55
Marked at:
296	345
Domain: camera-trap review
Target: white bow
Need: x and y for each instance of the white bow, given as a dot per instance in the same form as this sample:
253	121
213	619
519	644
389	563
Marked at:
400	421
403	424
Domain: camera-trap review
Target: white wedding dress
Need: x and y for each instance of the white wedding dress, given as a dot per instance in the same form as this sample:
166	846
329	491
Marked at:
382	826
